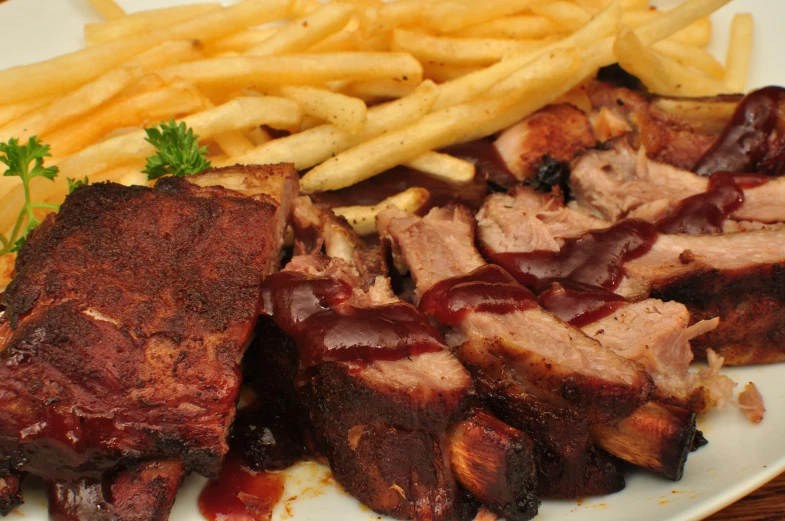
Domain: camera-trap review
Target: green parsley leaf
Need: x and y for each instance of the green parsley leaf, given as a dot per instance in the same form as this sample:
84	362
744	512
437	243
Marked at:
178	151
18	159
73	184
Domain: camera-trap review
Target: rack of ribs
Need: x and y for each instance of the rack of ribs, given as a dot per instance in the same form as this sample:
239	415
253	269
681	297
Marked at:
123	331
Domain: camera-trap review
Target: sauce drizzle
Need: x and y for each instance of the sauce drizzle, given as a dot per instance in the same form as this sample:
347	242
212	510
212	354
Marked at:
240	494
315	312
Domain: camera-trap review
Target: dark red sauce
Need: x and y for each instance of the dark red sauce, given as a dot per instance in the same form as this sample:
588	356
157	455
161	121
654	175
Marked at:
487	289
595	259
580	304
80	499
704	213
240	494
315	312
745	140
485	158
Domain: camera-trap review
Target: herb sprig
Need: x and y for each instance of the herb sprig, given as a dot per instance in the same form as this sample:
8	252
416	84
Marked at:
178	152
18	159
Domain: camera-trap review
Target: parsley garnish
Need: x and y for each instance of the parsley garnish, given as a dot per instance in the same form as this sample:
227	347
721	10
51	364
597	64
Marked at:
18	158
73	184
178	151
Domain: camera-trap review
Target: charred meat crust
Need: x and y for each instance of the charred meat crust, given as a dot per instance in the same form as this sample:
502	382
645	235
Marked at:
127	318
10	492
749	303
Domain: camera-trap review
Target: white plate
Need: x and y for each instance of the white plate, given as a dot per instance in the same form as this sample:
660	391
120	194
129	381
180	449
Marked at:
740	456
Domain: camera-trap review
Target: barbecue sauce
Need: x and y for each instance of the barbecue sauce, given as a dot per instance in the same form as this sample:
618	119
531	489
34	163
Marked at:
316	313
240	493
485	158
704	213
595	259
745	140
488	289
580	304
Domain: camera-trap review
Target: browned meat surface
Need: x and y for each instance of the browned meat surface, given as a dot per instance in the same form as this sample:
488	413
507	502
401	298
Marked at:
737	277
496	464
619	182
557	131
676	131
656	437
555	361
140	492
126	322
381	424
10	492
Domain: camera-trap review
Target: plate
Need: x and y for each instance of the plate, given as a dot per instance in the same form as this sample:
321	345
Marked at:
740	456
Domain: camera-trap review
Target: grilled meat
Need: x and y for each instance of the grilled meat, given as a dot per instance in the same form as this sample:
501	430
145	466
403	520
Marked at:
380	423
10	491
124	328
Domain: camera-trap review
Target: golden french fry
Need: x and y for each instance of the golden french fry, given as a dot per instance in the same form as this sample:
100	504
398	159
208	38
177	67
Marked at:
302	33
677	19
234	143
313	146
161	104
258	136
597	5
72	70
293	69
696	34
442	73
469	86
642	62
342	111
690	82
108	9
567	16
461	51
452	15
167	53
377	89
65	109
302	8
690	56
363	218
443	166
514	27
144	21
8	113
238	114
386	17
737	62
241	41
435	130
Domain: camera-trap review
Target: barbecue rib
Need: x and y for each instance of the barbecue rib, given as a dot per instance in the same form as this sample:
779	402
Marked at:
125	325
10	492
531	367
380	423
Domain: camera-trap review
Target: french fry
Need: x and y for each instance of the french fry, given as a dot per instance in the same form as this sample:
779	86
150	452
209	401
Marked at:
690	56
514	27
234	143
384	18
452	15
377	89
294	69
567	16
8	113
238	114
696	34
313	146
642	62
302	8
302	33
444	167
737	62
161	104
461	51
342	111
144	21
469	86
677	19
345	40
258	136
70	106
363	218
690	82
167	53
241	41
108	9
443	73
72	70
437	129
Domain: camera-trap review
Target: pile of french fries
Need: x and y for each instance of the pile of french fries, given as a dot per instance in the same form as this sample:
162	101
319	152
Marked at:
360	86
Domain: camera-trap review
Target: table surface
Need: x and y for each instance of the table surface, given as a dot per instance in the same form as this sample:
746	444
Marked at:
765	504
